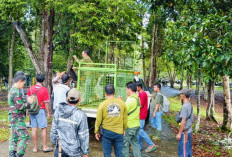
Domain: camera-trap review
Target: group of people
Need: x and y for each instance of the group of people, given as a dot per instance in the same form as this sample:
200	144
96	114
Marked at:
118	123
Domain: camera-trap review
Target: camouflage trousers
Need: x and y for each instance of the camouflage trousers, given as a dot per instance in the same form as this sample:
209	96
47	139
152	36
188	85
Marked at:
21	136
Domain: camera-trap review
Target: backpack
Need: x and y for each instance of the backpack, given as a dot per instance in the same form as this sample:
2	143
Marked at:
166	104
35	106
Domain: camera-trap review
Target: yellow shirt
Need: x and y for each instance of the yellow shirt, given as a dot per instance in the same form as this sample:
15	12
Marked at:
112	115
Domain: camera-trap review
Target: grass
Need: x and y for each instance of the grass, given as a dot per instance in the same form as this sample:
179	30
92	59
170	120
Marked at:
216	88
3	103
5	134
4	128
175	106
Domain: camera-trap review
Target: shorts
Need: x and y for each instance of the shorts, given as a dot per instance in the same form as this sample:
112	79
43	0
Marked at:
39	120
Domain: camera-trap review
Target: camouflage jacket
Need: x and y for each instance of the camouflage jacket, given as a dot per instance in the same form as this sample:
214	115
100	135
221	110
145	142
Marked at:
85	60
18	106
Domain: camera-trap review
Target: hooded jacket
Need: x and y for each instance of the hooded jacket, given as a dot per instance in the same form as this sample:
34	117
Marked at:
70	126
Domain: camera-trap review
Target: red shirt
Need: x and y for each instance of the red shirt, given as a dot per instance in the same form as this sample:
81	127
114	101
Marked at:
143	101
42	94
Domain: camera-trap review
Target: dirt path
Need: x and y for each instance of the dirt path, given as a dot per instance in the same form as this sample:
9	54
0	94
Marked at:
167	147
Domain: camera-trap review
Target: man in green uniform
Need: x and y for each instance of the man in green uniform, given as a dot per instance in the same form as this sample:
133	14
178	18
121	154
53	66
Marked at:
86	58
17	115
133	122
156	120
89	79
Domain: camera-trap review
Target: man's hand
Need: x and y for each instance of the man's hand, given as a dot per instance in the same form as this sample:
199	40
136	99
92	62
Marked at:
74	56
74	68
154	114
97	136
84	155
124	133
178	136
30	99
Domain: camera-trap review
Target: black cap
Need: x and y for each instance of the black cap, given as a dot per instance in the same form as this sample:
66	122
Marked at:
65	78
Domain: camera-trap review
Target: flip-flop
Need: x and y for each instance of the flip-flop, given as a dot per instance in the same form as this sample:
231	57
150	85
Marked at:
148	150
48	150
34	151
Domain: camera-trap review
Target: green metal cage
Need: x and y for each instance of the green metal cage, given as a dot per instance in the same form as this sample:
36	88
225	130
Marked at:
93	77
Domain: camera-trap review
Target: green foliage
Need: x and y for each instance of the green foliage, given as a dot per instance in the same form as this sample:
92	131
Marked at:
202	37
59	63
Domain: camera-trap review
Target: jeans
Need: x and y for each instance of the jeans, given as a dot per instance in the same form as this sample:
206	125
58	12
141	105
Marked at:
185	150
143	134
156	122
131	139
110	138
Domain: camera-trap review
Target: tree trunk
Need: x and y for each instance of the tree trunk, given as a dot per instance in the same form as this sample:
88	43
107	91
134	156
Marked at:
182	79
206	91
151	76
155	68
44	42
10	80
144	65
50	49
189	81
210	108
198	100
172	77
28	47
227	104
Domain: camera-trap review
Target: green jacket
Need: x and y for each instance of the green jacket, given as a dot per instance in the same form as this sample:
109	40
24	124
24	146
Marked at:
131	103
18	106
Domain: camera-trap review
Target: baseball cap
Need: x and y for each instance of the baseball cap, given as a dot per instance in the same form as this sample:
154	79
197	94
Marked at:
74	95
65	78
186	92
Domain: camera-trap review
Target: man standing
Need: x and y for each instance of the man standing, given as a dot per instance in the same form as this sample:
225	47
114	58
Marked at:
133	123
112	115
60	91
143	115
40	119
88	79
156	122
17	115
85	58
184	135
70	128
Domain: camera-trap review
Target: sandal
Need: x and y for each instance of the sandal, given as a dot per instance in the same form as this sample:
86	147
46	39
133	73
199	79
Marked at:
148	150
48	150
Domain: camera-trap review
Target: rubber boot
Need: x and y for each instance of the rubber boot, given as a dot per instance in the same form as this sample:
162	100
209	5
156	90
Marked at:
12	154
20	155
